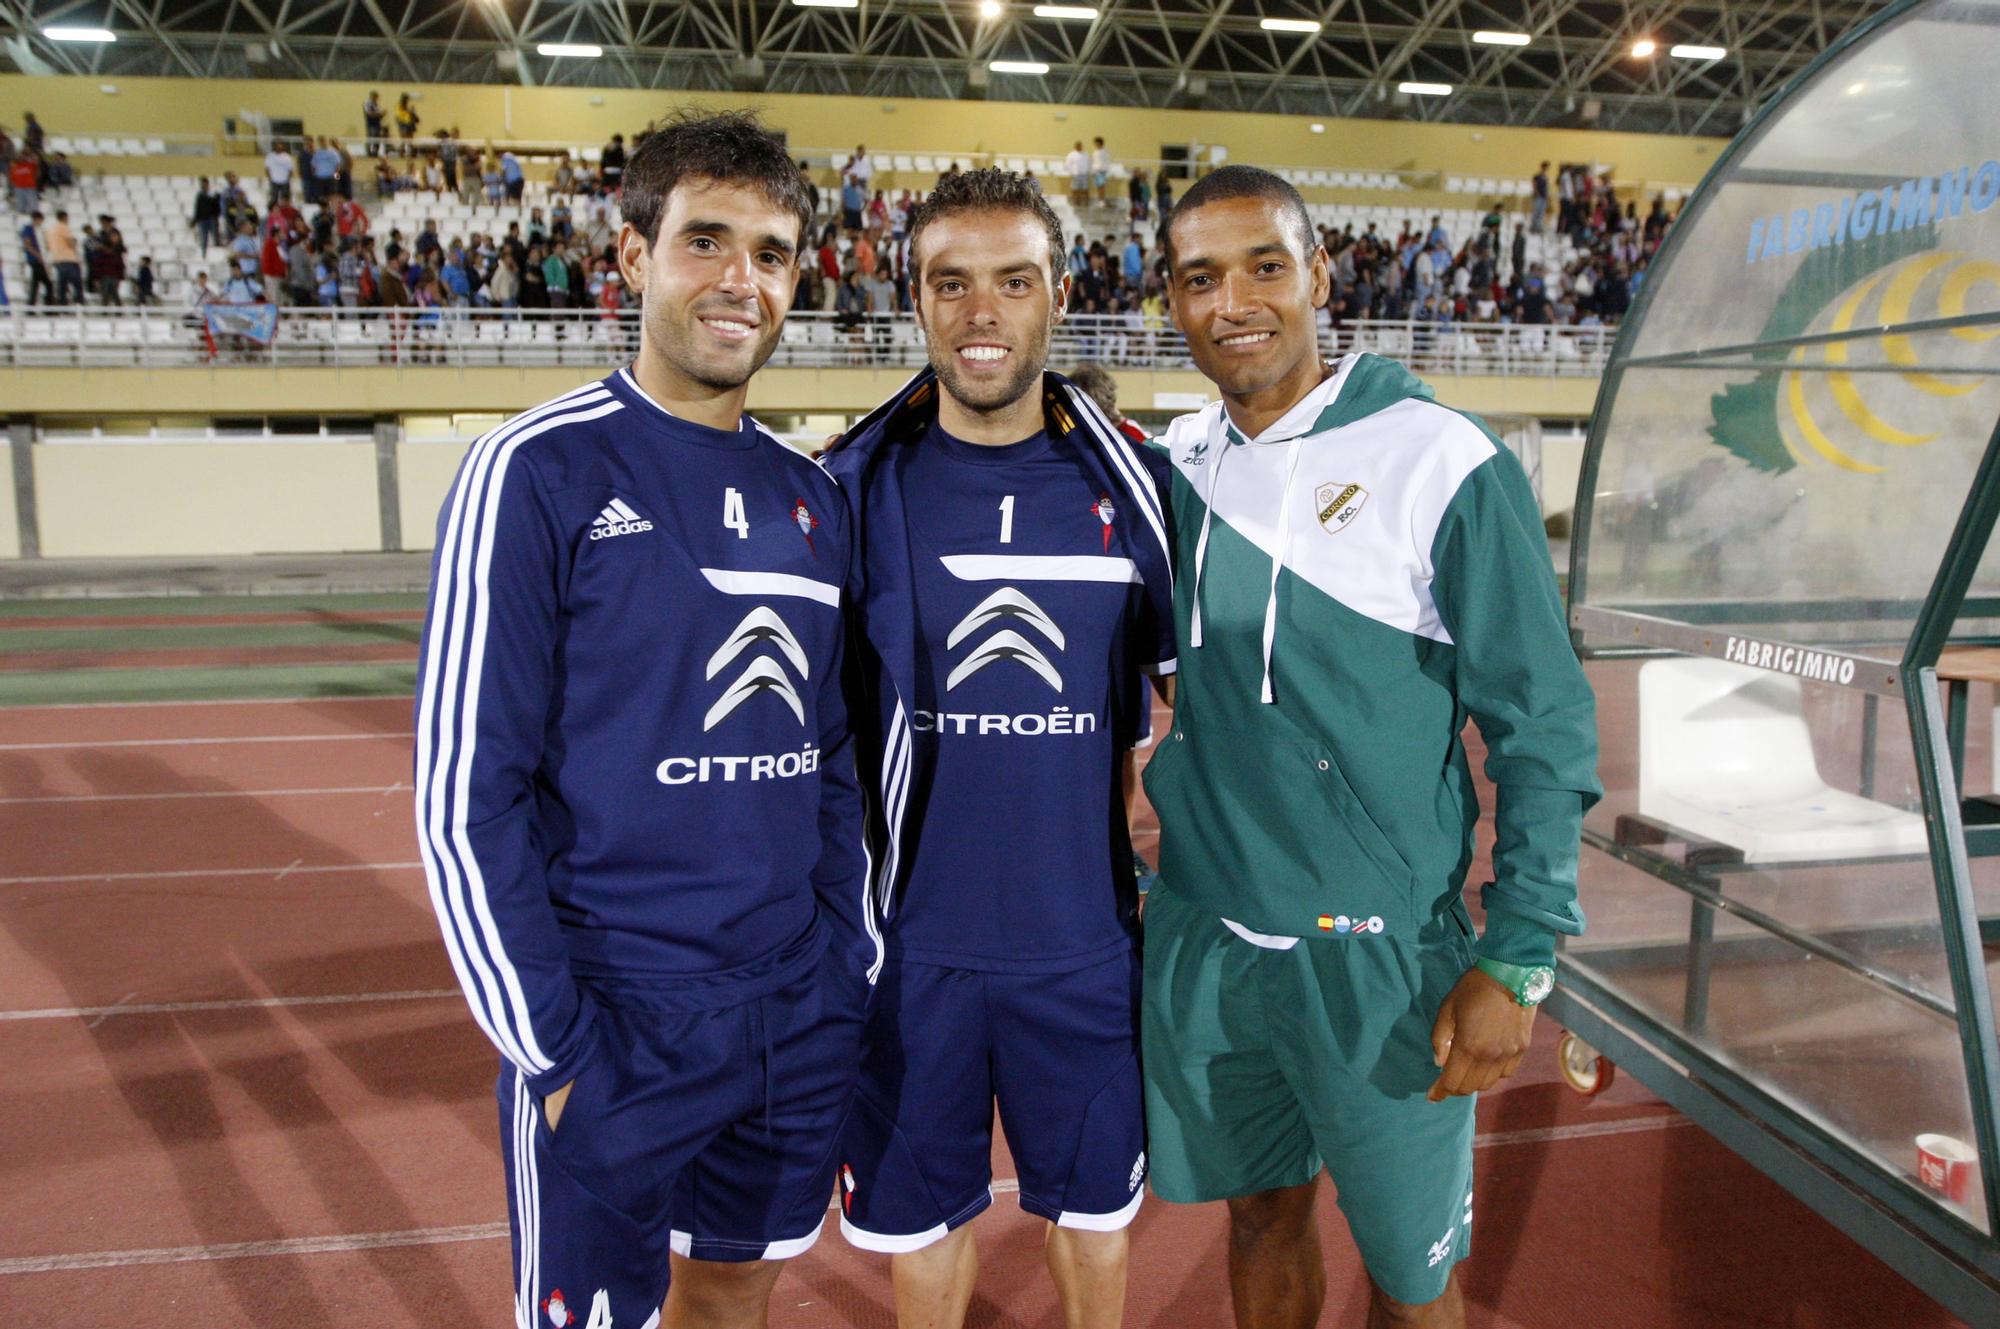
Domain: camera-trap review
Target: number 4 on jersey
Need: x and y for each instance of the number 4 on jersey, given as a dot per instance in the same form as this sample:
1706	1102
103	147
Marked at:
600	1305
732	514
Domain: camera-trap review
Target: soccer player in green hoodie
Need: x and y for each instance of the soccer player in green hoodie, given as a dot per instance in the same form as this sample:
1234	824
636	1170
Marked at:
1361	571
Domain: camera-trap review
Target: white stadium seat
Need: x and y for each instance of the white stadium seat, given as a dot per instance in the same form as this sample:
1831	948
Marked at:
1725	754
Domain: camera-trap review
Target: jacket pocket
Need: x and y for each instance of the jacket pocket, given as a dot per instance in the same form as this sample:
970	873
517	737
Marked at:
1262	826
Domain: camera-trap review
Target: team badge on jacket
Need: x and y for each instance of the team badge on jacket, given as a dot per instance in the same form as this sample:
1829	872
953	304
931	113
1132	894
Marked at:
807	522
1104	512
558	1310
1338	505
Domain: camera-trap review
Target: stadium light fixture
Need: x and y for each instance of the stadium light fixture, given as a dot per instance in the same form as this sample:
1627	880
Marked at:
1083	12
989	9
579	49
1425	89
99	35
827	4
1035	67
1644	47
1486	38
1290	25
1686	52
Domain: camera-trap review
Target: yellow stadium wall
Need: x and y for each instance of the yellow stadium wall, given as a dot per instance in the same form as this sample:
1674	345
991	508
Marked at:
162	498
314	390
76	105
10	522
139	499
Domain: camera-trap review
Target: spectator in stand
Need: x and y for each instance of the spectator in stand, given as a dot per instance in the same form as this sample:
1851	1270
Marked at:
610	164
107	262
447	153
853	198
326	277
372	116
1538	201
279	168
432	177
325	169
860	168
273	258
40	289
496	184
1133	269
391	290
299	260
812	188
564	180
1100	169
865	253
206	221
503	288
36	141
511	173
456	278
407	120
24	176
145	283
349	269
1140	193
555	275
534	280
350	219
560	225
202	294
1076	165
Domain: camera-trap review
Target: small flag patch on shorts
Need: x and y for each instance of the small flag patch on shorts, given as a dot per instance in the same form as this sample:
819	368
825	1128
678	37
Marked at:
1326	922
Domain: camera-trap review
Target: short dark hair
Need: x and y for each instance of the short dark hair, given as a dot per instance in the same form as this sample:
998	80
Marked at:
733	147
1237	181
1098	385
988	189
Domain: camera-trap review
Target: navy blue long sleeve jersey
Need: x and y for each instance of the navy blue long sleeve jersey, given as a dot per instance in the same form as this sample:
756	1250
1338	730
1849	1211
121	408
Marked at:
633	771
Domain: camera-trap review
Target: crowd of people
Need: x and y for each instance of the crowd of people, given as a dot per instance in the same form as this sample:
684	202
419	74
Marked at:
313	242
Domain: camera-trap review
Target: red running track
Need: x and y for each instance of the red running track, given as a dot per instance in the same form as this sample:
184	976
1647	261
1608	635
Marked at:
244	1091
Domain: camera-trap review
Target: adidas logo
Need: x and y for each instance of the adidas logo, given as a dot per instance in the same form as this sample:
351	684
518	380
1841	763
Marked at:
617	519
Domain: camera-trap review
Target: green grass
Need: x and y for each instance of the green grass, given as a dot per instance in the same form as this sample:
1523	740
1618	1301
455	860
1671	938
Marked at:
102	685
207	683
163	605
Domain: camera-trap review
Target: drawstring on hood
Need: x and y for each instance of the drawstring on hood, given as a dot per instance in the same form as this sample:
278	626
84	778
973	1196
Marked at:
1278	563
1294	446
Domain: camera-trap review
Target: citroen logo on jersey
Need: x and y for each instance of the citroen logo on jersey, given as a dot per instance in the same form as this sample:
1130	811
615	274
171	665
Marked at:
763	636
1016	611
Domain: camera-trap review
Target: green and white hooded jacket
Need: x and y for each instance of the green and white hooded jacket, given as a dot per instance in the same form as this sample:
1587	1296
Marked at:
1354	583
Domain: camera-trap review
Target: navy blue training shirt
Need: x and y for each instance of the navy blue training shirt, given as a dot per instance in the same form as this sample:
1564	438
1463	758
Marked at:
1029	645
633	772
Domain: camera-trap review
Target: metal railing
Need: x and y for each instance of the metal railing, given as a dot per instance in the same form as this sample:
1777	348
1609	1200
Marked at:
459	338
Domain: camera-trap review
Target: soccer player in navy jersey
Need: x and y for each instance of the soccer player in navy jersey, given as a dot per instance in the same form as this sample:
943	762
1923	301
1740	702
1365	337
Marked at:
1015	589
635	792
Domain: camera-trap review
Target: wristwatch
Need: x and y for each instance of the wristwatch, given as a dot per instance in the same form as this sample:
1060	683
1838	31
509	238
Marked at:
1530	983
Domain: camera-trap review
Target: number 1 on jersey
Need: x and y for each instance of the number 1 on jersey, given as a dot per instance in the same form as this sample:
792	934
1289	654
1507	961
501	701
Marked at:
732	514
1007	520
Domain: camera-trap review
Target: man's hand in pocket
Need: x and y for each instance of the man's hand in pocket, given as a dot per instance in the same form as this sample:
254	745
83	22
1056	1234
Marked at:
553	1104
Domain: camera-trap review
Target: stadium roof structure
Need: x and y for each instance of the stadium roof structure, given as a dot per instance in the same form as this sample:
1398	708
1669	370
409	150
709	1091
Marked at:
1343	58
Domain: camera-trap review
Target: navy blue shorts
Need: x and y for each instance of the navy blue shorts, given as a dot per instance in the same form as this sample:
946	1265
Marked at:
1061	1054
705	1133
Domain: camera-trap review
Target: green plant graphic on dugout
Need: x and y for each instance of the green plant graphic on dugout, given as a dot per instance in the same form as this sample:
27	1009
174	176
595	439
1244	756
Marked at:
1789	416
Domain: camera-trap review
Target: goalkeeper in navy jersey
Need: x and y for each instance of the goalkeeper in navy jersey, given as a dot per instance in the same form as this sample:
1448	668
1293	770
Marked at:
635	792
1015	592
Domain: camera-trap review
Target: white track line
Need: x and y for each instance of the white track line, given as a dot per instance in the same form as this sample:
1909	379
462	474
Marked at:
365	1241
380	789
276	873
241	1250
95	1013
1583	1130
69	744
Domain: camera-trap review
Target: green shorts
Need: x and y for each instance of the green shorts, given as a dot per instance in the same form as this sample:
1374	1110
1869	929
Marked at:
1263	1065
